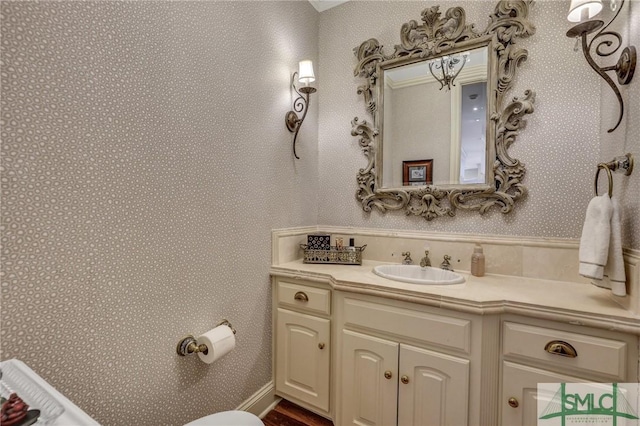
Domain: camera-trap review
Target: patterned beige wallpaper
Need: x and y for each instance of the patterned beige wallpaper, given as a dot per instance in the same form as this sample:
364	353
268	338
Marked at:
144	163
628	188
622	140
560	146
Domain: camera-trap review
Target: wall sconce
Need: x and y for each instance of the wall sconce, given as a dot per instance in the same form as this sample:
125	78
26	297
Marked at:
447	66
583	10
301	104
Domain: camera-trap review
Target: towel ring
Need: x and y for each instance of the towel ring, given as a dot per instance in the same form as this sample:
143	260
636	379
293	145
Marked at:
605	167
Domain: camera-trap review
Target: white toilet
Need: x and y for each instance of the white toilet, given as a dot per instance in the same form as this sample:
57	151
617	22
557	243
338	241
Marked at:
228	418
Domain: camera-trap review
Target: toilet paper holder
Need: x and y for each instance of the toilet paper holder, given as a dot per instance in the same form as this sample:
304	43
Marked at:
188	345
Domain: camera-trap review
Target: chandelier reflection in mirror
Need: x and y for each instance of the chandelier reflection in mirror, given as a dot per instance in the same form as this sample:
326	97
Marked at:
447	67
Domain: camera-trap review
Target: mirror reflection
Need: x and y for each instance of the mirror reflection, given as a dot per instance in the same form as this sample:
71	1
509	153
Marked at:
435	134
434	121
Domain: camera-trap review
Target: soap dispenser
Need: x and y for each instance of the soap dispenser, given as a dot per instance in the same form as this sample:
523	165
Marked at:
477	261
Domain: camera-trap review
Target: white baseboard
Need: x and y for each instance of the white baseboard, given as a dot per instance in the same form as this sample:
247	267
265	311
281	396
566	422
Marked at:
261	402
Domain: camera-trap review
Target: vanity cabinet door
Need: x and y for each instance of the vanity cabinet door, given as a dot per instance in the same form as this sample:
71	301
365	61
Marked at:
302	357
518	404
433	388
369	380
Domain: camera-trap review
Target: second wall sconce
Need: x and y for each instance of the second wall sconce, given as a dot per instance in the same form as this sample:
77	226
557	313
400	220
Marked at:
584	10
301	104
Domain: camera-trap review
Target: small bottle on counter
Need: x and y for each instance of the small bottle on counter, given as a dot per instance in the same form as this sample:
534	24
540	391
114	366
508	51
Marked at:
352	249
477	261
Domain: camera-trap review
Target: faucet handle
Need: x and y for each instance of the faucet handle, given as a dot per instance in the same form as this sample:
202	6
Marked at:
446	265
407	258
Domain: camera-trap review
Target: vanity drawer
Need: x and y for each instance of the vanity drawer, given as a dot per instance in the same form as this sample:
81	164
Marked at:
307	298
447	332
593	355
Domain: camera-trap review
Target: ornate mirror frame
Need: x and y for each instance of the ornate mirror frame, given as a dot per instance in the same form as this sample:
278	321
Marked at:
434	37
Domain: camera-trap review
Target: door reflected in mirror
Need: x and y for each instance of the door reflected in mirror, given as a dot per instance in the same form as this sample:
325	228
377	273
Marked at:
436	109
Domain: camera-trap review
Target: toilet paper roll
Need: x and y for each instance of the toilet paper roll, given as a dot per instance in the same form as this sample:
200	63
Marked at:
220	341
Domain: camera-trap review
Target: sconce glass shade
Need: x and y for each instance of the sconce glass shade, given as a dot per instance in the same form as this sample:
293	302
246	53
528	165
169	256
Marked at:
305	72
583	9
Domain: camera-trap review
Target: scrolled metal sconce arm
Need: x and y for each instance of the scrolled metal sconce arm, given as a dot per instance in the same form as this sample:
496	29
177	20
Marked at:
300	105
624	67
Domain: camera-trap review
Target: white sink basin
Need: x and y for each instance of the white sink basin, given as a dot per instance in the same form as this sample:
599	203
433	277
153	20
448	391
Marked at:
417	275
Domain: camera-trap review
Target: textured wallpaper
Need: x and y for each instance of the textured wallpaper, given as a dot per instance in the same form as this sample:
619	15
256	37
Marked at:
144	163
560	146
624	139
630	186
627	188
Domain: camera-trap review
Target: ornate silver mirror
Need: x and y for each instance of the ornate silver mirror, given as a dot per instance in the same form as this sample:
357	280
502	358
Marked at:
441	127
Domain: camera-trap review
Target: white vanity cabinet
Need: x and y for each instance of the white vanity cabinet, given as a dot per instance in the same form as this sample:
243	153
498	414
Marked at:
369	380
302	343
388	383
406	364
538	351
360	353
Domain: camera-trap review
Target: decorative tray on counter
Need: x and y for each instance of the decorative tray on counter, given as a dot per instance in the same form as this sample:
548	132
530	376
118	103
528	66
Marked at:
341	256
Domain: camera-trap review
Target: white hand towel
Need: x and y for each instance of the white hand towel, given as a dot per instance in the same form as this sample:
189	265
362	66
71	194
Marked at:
596	233
614	268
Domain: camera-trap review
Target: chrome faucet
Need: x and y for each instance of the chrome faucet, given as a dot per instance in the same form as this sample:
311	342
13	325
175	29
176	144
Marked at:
445	264
407	258
425	260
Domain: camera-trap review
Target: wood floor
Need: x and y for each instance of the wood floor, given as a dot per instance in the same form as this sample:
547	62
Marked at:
289	414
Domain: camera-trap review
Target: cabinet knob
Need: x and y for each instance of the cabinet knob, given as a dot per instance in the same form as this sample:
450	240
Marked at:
302	296
388	374
320	345
513	403
404	379
558	347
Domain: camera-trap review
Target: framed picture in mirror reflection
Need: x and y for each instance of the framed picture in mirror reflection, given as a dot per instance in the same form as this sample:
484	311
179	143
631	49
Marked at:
417	172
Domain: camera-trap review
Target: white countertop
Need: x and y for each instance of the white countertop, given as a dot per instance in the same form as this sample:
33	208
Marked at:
575	303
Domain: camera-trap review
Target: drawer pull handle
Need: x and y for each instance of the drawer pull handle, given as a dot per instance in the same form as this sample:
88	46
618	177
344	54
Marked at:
558	347
321	346
388	375
302	296
513	403
404	379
